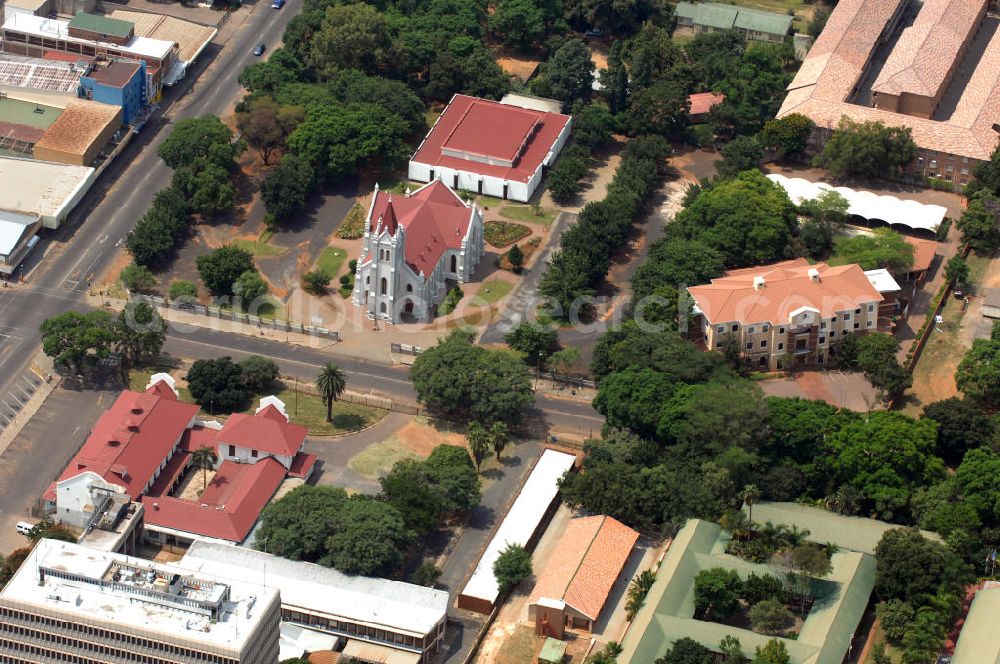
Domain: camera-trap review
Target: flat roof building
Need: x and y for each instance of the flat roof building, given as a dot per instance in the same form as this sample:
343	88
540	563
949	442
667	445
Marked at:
574	586
17	238
391	617
933	67
42	188
72	603
490	148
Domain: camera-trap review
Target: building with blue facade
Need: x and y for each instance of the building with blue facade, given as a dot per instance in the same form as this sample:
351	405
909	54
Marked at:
121	83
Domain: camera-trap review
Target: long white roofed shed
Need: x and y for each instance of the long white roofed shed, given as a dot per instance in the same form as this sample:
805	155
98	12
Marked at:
518	527
868	205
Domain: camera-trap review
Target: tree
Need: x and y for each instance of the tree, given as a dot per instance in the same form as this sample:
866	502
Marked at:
867	149
353	37
756	588
910	567
426	575
717	592
732	650
206	185
660	109
986	176
957	272
895	615
516	259
249	287
11	564
614	80
205	459
593	126
748	219
886	456
535	340
511	567
221	268
408	487
48	529
606	655
78	341
316	282
975	483
787	136
285	190
818	22
200	140
882	248
827	213
637	591
978	374
563	181
183	290
772	652
803	563
454	478
749	495
137	278
980	223
686	650
265	124
518	23
479	441
743	153
331	383
499	437
770	616
218	384
564	360
259	373
457	378
570	72
140	333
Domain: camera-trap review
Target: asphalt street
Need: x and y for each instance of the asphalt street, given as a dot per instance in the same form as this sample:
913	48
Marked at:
86	245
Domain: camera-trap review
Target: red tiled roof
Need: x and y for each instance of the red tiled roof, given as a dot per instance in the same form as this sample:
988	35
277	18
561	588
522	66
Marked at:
703	102
787	288
131	440
302	465
586	563
433	217
228	508
494	130
267	431
923	252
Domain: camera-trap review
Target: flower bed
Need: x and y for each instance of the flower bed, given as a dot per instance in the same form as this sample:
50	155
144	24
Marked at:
503	233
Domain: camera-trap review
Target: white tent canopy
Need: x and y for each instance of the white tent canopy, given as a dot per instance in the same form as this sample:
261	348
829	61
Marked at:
868	205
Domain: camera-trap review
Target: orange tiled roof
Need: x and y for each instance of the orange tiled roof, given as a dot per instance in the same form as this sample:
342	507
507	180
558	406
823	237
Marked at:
923	252
837	60
586	562
703	102
787	288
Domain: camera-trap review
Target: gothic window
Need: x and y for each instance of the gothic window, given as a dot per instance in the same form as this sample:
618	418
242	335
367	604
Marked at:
385	286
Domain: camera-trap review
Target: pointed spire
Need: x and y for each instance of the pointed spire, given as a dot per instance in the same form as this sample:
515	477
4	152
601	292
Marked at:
389	218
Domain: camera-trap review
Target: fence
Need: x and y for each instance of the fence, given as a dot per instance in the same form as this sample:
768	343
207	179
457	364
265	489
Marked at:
364	399
575	381
235	316
406	349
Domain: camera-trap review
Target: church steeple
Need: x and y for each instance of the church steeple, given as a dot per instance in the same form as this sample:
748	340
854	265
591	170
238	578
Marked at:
389	221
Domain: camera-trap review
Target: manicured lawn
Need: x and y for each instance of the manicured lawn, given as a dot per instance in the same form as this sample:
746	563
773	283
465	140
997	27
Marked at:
503	233
525	213
378	458
138	379
488	201
260	248
491	291
331	260
272	309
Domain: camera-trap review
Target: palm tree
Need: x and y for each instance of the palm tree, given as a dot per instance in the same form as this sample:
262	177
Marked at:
331	383
204	458
479	442
499	437
749	494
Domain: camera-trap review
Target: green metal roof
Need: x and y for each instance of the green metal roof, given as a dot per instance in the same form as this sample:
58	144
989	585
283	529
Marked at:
668	613
101	25
553	651
760	21
848	532
686	10
716	16
978	642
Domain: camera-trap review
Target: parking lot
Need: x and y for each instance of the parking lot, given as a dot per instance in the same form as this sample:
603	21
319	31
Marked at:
837	388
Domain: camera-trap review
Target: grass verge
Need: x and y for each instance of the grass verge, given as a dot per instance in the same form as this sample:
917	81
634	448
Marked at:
331	260
526	214
378	459
491	291
260	248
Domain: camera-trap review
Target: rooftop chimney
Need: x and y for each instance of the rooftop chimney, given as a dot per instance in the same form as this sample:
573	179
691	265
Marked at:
813	275
758	283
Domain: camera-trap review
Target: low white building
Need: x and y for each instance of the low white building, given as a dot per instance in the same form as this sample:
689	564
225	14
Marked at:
492	148
414	245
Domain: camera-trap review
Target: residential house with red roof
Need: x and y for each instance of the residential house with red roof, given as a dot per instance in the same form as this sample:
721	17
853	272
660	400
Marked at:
494	148
573	589
140	452
785	312
414	245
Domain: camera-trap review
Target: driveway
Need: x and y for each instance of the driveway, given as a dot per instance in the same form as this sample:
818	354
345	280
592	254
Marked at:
837	388
334	453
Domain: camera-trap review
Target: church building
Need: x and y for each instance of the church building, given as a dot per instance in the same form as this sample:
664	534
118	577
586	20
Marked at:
414	245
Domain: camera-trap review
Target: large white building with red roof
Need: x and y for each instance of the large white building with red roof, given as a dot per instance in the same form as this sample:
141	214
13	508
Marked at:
140	451
414	244
493	148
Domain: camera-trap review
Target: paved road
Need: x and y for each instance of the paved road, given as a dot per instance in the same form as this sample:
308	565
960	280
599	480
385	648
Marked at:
85	246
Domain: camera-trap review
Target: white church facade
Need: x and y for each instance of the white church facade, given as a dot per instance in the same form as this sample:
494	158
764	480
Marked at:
414	244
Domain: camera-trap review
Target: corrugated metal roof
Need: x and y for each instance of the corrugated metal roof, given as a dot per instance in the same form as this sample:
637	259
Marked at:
978	642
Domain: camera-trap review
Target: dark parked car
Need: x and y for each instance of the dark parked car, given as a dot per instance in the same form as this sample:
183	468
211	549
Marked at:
259	49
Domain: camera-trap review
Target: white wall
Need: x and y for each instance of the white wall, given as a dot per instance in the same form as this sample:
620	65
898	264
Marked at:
245	455
76	498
